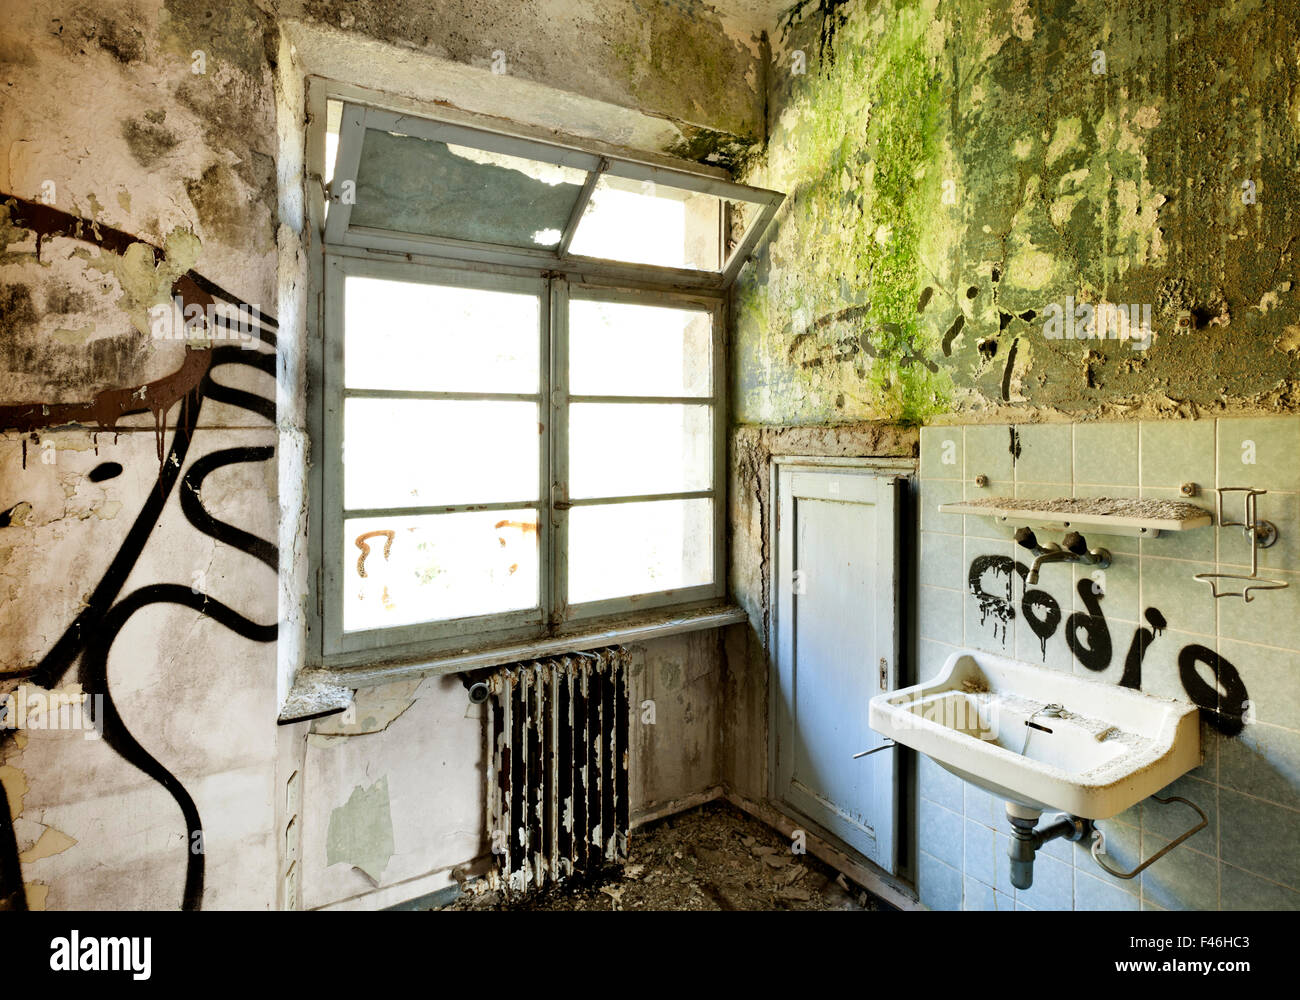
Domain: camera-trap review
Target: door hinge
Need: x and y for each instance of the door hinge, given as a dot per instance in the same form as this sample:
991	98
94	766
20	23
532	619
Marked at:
884	674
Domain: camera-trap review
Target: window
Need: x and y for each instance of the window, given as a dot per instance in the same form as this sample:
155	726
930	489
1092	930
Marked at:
522	407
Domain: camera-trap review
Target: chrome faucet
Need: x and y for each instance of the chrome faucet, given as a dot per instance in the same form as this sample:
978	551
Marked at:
1074	549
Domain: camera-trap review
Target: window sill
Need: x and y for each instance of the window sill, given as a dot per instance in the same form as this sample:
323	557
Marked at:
578	637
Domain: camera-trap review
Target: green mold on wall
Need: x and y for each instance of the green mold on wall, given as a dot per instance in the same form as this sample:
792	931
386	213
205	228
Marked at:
836	302
955	172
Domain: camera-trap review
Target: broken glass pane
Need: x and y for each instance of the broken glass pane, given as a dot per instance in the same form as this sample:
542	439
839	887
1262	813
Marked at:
412	185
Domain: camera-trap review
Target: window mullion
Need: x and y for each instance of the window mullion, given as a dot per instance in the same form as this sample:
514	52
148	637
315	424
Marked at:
557	488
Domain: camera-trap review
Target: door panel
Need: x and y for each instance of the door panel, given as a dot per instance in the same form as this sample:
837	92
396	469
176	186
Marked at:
836	613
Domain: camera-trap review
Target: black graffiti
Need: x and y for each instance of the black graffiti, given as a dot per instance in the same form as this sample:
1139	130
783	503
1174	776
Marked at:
1142	639
1093	649
89	638
1045	627
1009	370
811	349
951	334
992	605
1224	703
1087	634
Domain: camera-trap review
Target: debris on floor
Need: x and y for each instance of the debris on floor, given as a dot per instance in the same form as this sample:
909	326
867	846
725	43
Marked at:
711	858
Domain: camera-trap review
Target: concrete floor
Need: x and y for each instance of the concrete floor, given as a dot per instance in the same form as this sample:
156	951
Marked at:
711	858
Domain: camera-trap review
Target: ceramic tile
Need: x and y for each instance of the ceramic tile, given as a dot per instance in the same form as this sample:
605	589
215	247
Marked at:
1176	452
1271	678
1263	761
982	897
1116	588
941	452
980	862
1161	674
1046	454
1272	617
1183	879
982	807
933	493
940	562
1260	453
990	613
982	526
1123	849
989	452
1106	454
1260	837
1002	863
1051	652
940	786
1185	603
1093	894
1280	509
939	615
1194	543
931	657
938	885
1043	491
1241	890
1174	819
939	832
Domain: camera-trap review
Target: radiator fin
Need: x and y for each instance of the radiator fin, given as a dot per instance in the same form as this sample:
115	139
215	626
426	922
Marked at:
557	798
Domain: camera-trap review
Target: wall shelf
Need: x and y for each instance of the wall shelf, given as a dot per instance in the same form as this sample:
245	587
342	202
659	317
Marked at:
1101	515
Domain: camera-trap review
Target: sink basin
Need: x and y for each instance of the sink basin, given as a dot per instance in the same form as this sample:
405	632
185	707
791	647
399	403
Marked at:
1106	748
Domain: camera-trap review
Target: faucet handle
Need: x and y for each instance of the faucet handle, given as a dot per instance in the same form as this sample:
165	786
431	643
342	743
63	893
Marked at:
1075	543
1027	538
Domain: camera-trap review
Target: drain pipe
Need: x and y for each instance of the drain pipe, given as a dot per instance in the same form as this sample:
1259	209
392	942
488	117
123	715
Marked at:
1025	840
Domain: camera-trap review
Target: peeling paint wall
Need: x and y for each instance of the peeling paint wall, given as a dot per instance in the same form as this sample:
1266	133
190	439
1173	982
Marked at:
153	149
959	175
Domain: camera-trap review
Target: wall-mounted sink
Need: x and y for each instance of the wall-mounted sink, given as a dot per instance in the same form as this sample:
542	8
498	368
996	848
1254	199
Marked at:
1041	739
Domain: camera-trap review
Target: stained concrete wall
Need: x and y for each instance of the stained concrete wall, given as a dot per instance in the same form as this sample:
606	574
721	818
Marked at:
136	551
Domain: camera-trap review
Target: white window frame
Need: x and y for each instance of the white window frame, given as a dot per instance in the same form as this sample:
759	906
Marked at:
557	277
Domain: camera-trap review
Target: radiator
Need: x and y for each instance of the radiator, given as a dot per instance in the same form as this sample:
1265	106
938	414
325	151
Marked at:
557	769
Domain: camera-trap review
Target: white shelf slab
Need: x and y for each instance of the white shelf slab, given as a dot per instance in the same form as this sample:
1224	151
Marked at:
1103	515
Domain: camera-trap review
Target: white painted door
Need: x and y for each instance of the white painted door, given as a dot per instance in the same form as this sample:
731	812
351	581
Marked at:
836	640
